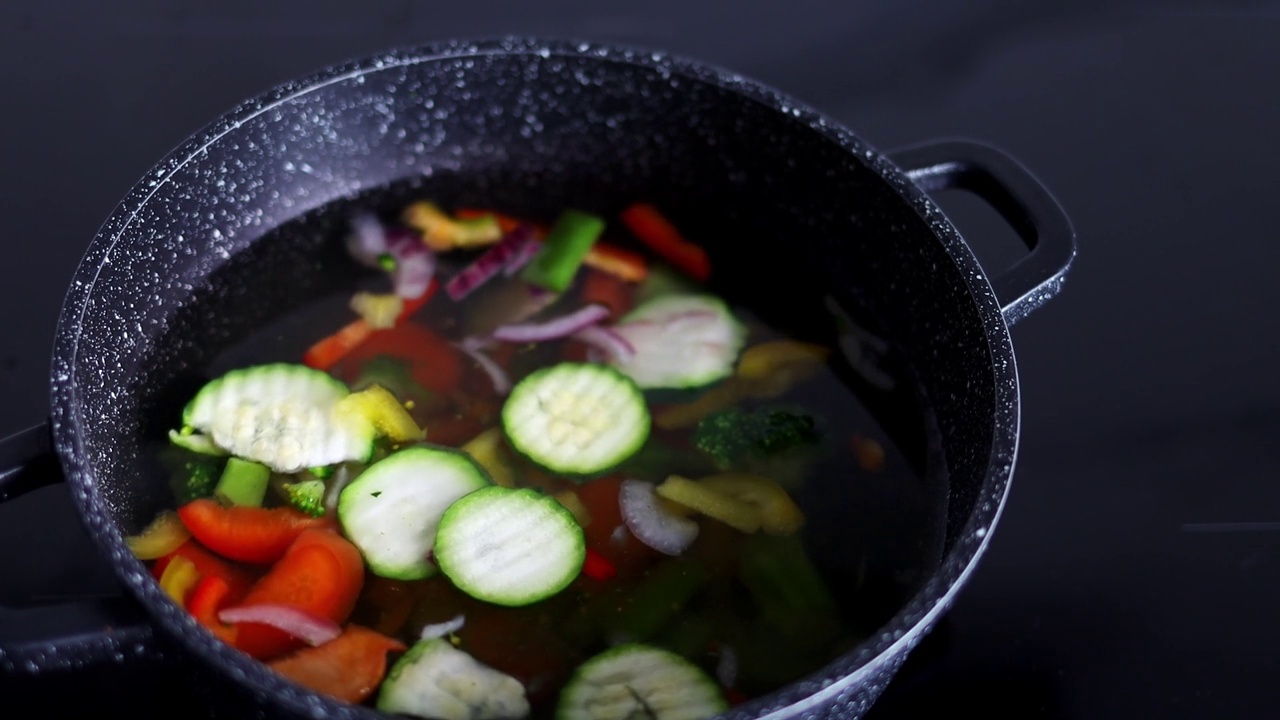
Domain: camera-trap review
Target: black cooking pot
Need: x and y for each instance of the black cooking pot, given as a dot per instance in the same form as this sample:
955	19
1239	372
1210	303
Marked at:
793	208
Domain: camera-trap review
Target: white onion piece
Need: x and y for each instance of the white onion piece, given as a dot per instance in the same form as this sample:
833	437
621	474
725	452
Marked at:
308	627
497	376
521	257
619	535
727	666
555	329
655	527
415	264
437	630
367	241
611	343
340	478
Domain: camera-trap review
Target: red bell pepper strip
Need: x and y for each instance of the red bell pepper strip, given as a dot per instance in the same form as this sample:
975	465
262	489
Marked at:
349	668
209	596
247	534
329	350
208	565
597	566
321	573
660	236
433	362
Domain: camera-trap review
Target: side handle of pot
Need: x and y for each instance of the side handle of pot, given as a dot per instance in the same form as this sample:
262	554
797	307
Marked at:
1020	198
71	633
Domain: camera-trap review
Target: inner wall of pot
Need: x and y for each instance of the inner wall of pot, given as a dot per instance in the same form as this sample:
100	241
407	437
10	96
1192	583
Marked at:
245	233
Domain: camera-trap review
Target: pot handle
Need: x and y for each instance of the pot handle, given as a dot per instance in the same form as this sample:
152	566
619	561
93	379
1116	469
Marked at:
68	634
1020	199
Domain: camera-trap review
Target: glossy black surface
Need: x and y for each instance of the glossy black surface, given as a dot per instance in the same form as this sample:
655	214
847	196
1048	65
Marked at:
1135	569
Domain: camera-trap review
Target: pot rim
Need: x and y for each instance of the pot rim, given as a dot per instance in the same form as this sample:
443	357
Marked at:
833	683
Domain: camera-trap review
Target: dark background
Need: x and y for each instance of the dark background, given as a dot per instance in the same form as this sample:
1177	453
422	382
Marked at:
1135	572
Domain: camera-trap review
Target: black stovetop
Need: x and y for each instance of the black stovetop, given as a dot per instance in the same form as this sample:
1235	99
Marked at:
1137	565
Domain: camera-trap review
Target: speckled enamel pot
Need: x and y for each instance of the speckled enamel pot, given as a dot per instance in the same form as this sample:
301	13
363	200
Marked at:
532	124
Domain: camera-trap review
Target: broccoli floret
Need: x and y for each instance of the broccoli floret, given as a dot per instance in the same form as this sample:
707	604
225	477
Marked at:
736	437
306	496
191	475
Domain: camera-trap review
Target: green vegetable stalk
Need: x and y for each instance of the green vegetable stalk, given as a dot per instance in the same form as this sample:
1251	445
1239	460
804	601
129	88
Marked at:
657	600
566	246
788	589
243	482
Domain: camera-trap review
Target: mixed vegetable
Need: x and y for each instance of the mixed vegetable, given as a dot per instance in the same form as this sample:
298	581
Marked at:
566	489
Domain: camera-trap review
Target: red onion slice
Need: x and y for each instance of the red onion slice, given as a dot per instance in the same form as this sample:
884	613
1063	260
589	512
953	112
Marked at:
653	526
367	241
486	266
560	327
613	345
308	627
497	376
415	263
523	254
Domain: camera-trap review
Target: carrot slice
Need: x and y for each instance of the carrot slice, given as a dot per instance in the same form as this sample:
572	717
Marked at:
321	573
505	222
349	667
621	263
608	290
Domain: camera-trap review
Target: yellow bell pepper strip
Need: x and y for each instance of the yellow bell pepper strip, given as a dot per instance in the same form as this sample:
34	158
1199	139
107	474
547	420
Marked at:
684	415
178	578
569	499
378	310
779	515
442	233
791	360
488	451
765	370
383	411
160	538
713	503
